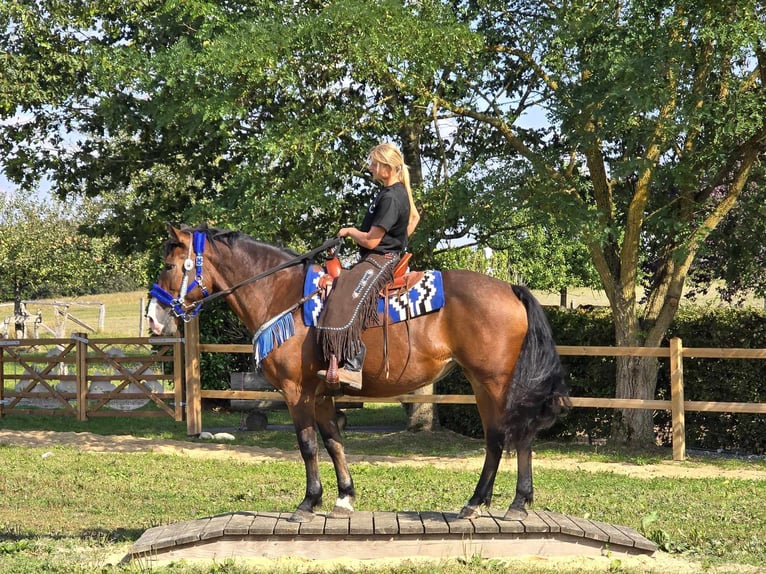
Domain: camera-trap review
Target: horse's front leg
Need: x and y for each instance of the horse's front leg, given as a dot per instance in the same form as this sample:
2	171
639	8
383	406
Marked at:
303	416
328	428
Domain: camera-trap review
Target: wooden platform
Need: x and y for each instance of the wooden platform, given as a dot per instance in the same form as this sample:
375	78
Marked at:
368	535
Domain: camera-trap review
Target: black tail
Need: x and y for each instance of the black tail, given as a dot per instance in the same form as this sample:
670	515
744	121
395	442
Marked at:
537	394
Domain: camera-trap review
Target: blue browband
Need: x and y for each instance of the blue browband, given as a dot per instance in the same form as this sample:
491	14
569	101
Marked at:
180	308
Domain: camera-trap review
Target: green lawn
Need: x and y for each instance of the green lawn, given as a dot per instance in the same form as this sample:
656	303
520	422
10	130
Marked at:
62	509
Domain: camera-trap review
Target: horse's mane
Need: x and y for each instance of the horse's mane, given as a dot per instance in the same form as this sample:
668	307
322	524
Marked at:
228	237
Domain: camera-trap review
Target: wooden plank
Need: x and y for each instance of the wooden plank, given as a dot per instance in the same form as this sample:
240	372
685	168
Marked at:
190	531
313	527
712	353
225	348
596	351
154	538
724	407
263	524
239	525
361	523
215	527
566	524
639	541
590	529
616	536
506	526
535	523
285	527
458	525
434	523
336	526
602	402
550	520
410	523
385	523
485	524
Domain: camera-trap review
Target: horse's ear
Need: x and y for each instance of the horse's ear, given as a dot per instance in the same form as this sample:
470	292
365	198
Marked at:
174	232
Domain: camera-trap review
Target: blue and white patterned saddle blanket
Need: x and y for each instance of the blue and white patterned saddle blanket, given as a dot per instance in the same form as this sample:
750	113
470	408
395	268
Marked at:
425	296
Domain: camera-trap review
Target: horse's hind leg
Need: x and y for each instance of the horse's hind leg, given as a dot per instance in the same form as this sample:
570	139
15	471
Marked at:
328	428
493	437
524	488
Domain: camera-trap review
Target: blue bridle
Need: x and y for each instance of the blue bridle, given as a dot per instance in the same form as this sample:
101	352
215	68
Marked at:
181	309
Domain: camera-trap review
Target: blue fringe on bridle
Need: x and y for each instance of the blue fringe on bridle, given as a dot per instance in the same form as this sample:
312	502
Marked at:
271	335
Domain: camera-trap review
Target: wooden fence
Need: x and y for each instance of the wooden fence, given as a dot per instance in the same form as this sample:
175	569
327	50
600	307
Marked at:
74	376
43	373
676	405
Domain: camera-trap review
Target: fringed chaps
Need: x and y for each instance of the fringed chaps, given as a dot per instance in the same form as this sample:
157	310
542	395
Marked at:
352	306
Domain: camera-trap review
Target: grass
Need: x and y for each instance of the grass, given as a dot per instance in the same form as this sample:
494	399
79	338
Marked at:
65	510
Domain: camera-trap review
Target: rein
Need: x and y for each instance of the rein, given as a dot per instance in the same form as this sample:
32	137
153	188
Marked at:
187	311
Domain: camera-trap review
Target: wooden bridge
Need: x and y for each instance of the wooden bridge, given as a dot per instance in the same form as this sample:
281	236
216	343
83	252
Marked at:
368	535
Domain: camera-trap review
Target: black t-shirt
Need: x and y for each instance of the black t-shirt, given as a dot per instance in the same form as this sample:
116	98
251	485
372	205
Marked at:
390	210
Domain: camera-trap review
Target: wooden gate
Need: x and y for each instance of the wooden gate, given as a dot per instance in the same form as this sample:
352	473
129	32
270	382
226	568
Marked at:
84	377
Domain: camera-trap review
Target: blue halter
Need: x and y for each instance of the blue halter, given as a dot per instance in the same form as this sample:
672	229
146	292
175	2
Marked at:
181	309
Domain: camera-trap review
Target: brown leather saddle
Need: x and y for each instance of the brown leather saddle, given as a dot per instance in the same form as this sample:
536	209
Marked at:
402	279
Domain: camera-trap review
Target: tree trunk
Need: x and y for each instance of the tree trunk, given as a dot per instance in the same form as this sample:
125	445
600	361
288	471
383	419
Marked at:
636	379
422	416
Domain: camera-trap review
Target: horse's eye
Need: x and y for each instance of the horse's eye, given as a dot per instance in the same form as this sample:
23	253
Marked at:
170	266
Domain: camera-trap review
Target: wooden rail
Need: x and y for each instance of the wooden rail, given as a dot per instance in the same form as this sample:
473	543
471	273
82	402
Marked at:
676	405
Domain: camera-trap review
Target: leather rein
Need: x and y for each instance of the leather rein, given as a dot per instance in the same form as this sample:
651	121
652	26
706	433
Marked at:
187	311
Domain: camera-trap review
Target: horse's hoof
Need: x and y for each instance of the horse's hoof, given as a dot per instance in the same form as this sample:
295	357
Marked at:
470	512
515	513
301	516
341	512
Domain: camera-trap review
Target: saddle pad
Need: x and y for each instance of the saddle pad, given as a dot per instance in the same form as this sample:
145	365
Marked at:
425	296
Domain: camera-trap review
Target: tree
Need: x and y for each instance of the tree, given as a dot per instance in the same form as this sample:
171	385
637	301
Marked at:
661	115
44	254
258	115
36	241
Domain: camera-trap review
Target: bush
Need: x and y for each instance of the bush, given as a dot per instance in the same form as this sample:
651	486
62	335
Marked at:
735	380
219	324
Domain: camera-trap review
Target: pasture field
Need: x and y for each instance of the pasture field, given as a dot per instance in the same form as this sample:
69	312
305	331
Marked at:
122	315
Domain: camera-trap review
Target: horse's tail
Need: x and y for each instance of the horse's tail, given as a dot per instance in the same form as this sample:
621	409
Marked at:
537	393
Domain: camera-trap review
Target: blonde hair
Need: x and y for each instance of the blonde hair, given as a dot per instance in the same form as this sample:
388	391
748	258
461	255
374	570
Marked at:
390	155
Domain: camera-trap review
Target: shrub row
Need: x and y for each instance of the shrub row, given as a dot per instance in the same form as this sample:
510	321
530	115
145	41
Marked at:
725	380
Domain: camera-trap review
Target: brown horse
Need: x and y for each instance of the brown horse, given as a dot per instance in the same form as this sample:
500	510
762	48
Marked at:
497	333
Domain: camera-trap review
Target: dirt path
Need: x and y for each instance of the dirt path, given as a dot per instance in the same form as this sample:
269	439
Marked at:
210	450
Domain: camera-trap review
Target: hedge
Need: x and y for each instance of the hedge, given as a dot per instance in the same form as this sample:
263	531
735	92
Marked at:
735	380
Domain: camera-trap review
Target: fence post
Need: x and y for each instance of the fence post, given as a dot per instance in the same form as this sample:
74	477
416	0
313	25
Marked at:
2	381
141	314
178	380
193	378
678	416
81	374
